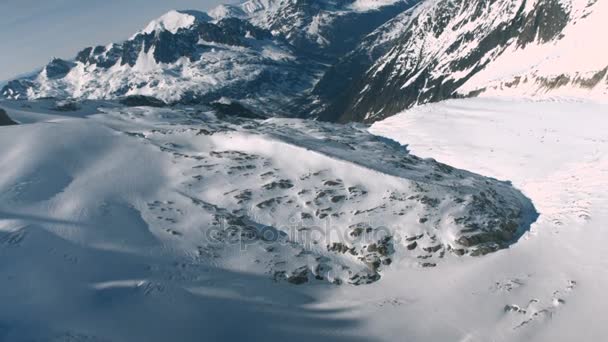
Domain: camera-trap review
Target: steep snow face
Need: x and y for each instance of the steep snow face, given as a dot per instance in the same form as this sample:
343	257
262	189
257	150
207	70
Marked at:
229	193
452	48
572	65
556	152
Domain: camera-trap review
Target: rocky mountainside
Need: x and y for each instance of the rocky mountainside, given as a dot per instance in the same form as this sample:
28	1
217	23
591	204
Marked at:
454	48
264	54
226	191
344	60
321	28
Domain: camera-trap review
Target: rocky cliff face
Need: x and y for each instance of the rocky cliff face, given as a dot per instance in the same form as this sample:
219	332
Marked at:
446	48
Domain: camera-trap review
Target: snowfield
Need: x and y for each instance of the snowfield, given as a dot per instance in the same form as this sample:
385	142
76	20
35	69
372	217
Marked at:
143	224
549	285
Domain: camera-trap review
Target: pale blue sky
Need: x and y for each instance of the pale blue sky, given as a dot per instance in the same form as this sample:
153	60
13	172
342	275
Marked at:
34	31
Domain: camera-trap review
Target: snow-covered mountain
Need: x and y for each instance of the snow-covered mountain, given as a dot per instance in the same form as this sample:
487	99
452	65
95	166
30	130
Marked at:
180	57
262	53
345	60
454	48
322	28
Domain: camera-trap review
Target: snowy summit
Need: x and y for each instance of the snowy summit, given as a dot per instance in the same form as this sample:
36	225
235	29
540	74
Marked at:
174	21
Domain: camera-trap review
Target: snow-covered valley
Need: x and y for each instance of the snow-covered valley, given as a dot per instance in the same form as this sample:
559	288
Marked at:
160	224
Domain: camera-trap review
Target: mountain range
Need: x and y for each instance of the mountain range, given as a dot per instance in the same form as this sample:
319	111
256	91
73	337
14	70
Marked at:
347	60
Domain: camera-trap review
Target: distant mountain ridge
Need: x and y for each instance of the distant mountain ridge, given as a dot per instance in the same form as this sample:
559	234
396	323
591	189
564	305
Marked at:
344	60
261	53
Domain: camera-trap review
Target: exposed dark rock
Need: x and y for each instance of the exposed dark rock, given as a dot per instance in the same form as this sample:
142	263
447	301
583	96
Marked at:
58	68
428	201
364	279
270	203
432	249
593	80
357	230
231	31
544	23
459	252
281	184
306	216
5	120
66	106
336	199
341	248
244	196
385	246
414	238
514	308
17	89
332	183
235	109
299	276
412	245
142	101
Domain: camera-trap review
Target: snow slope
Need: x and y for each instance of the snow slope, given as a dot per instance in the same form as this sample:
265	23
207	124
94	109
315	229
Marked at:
546	287
112	216
173	21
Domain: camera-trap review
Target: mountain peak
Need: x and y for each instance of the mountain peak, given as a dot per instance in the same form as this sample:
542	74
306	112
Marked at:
227	11
175	20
